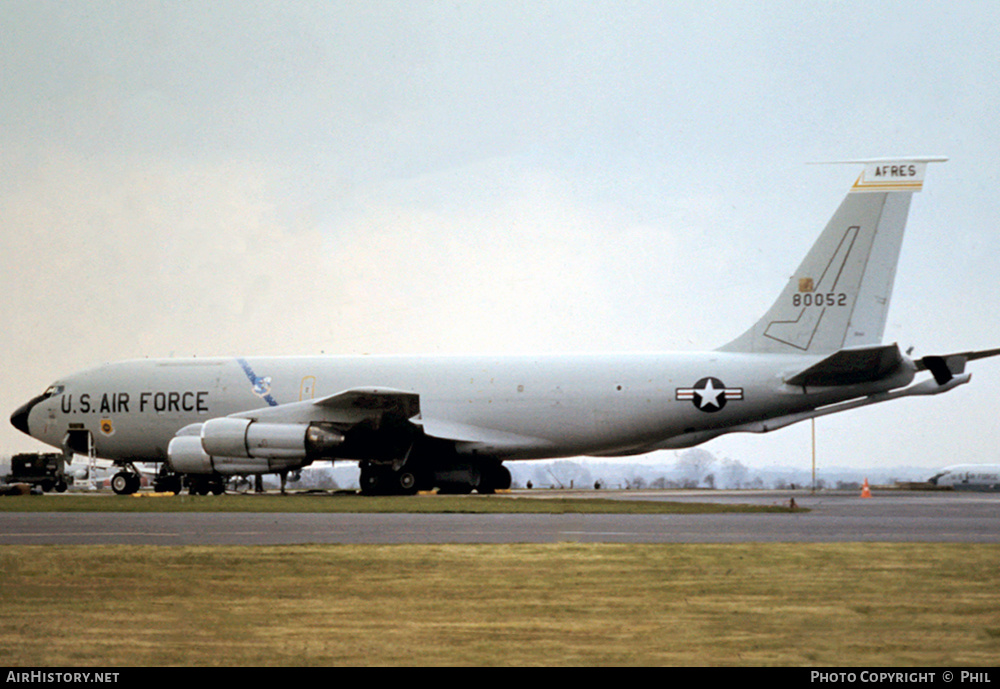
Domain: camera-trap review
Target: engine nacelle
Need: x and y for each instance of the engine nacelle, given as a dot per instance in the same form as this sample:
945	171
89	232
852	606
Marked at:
232	446
185	455
234	437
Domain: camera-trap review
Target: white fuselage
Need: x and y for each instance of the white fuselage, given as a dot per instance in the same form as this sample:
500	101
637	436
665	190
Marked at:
523	407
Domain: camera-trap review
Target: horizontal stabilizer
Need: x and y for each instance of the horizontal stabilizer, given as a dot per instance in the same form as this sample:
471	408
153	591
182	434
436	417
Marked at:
944	367
850	366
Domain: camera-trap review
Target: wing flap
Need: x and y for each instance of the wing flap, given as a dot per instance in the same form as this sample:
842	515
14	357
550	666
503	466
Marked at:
479	438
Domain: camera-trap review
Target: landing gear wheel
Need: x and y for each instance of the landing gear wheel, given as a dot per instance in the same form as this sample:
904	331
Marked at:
494	478
383	480
503	478
406	481
124	483
371	480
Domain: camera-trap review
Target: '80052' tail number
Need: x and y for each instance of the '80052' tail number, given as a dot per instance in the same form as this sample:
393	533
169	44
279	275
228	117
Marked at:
819	299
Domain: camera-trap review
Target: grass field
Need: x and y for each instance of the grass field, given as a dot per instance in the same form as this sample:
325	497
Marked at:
580	604
359	503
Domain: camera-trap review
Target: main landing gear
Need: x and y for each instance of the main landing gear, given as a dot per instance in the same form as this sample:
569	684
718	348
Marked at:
383	479
485	477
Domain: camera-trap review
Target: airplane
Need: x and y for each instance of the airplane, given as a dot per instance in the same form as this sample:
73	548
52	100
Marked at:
980	477
423	422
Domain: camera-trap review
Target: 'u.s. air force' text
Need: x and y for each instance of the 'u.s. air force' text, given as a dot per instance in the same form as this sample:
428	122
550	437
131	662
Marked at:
122	402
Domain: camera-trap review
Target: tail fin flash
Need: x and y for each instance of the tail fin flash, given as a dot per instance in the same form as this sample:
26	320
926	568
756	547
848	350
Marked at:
839	296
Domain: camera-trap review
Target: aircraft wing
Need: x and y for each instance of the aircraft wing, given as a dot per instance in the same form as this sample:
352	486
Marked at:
349	406
469	437
850	366
388	409
359	423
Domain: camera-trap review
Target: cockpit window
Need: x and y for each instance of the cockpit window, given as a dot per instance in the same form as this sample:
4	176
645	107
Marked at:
54	390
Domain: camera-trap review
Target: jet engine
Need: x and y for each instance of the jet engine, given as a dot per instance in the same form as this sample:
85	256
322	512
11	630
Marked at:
234	446
234	437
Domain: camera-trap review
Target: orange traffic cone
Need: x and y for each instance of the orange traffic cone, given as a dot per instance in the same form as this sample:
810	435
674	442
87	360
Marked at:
865	493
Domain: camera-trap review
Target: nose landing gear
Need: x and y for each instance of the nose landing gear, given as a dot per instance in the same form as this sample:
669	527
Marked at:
125	482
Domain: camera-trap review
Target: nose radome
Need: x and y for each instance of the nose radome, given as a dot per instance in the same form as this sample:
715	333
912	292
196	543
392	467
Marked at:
19	418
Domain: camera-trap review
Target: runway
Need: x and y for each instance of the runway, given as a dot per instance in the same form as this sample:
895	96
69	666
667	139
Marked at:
895	516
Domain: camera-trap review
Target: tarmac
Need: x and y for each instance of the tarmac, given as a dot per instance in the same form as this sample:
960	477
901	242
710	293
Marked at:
890	516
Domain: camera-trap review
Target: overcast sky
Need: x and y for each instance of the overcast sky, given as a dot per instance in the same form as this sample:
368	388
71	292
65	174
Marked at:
191	178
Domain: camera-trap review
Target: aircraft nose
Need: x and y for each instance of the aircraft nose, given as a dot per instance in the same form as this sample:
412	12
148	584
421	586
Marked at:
19	418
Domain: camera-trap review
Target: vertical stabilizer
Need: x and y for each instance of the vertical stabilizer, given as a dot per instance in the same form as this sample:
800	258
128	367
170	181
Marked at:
839	296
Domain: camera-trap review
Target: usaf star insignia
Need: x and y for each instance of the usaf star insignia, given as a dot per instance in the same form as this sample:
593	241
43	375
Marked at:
709	394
